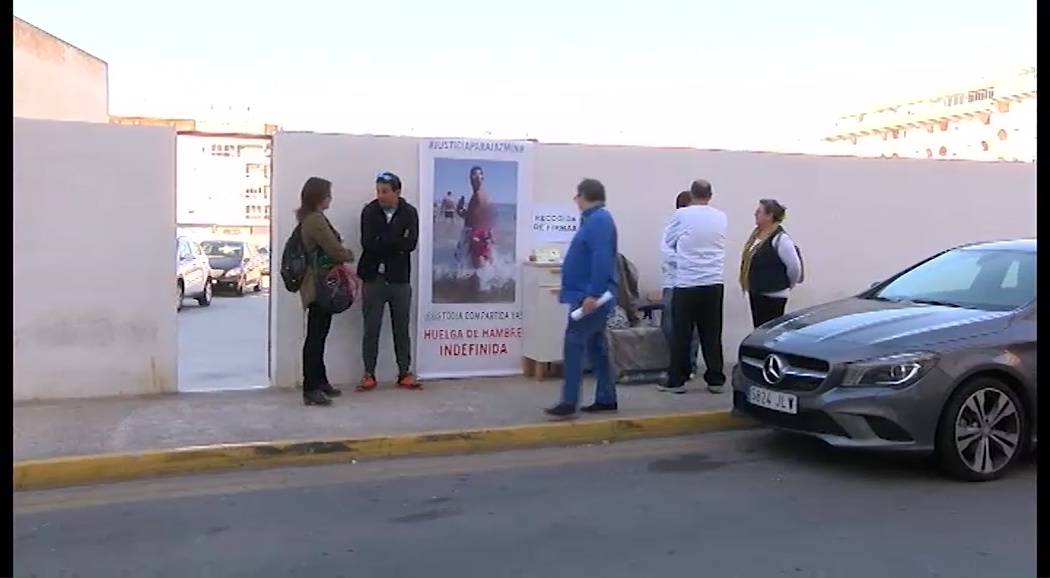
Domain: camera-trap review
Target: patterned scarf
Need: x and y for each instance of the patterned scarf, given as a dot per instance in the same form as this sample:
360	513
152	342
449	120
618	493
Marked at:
754	241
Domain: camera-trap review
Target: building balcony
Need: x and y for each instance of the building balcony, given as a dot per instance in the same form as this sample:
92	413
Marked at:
1005	90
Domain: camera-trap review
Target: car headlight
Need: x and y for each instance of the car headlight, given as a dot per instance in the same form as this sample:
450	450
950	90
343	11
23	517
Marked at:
889	371
233	272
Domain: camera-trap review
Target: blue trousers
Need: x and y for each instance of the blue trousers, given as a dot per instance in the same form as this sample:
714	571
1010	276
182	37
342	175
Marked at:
667	327
587	337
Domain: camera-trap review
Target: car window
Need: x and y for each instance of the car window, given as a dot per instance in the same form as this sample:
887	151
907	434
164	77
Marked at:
993	280
182	249
196	249
228	249
943	274
1011	278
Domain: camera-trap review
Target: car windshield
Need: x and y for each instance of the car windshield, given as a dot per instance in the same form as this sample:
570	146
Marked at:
986	279
223	249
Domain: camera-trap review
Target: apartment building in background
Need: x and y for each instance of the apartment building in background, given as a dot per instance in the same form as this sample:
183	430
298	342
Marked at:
222	171
55	80
987	120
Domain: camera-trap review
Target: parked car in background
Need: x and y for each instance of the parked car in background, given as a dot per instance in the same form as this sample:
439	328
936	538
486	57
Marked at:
193	273
939	358
264	254
235	265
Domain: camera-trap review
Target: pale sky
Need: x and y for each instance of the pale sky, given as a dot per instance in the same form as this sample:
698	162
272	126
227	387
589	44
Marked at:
719	74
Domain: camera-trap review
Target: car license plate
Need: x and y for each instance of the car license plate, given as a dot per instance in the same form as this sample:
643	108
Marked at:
774	400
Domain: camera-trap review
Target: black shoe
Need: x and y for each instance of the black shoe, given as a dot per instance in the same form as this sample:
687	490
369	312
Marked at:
600	407
560	410
329	390
316	397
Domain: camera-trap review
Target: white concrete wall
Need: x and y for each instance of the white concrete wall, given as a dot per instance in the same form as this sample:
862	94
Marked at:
94	224
56	80
856	220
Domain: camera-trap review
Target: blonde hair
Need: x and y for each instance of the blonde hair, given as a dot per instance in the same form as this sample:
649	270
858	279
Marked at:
774	209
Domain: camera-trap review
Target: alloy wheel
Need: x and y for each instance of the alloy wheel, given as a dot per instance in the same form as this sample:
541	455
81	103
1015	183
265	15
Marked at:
987	430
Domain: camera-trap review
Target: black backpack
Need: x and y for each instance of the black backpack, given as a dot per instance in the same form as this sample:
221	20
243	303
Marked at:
294	261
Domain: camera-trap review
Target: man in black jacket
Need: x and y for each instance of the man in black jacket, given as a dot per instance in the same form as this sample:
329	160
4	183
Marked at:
389	234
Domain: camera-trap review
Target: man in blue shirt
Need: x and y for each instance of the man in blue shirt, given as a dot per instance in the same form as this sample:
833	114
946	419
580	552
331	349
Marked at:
588	271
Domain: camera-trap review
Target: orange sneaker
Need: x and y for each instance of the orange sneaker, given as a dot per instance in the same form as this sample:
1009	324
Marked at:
408	381
368	383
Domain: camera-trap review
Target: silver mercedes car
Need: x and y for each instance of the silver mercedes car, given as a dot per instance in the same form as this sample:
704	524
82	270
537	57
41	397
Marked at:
939	358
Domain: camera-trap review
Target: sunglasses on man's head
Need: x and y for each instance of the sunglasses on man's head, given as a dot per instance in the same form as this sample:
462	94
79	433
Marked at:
384	177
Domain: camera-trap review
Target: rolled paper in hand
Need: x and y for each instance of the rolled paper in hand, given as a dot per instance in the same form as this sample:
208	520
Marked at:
578	313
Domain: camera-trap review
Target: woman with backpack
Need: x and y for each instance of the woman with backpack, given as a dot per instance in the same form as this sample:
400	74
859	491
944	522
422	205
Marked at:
323	247
771	264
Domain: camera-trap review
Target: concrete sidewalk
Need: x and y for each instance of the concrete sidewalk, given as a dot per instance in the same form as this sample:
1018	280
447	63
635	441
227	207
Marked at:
73	428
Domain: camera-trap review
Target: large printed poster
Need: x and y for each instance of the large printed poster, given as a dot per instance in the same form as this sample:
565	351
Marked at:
474	221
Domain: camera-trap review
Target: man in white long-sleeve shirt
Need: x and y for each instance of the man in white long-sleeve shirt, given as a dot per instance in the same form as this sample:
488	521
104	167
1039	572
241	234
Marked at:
697	236
668	268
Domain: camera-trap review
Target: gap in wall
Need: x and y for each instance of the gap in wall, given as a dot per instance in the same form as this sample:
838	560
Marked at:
223	215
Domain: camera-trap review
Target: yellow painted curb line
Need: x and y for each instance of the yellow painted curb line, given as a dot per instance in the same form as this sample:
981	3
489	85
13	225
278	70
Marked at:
94	469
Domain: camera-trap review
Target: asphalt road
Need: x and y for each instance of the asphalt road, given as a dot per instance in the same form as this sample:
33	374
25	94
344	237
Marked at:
736	504
224	346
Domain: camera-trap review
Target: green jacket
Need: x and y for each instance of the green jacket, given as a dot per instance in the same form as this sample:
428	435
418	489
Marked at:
325	249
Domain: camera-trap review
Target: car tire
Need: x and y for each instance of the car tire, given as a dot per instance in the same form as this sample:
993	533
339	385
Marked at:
205	298
974	435
180	294
258	285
